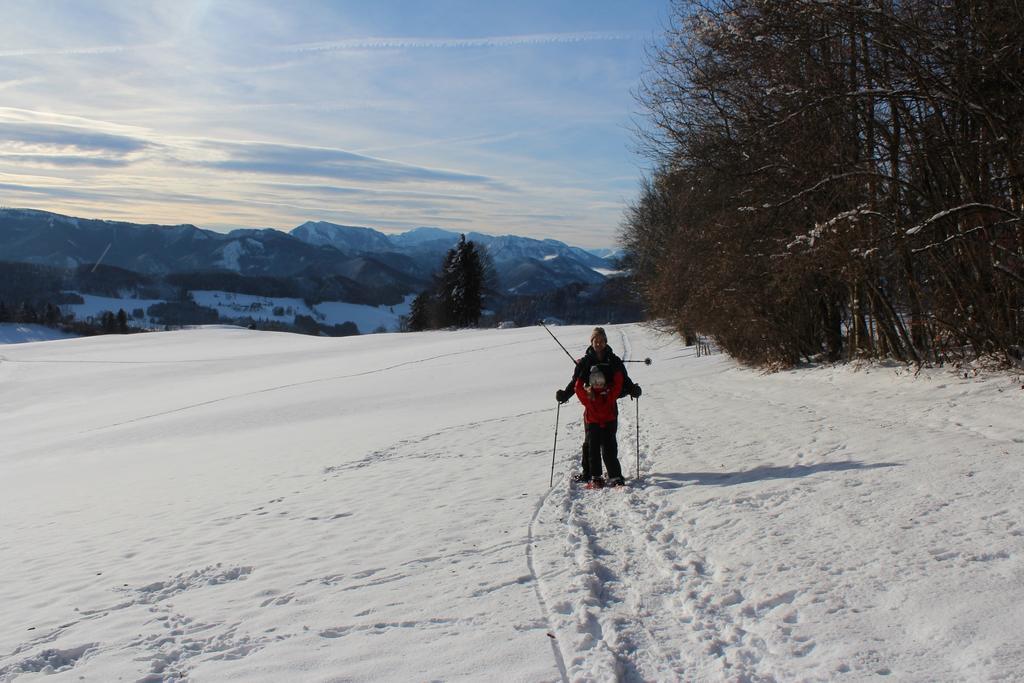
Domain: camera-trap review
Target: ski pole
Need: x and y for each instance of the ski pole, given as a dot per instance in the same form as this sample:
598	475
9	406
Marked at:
541	323
554	448
638	437
645	361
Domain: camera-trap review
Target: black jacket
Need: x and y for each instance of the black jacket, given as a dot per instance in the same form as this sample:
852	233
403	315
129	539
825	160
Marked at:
609	366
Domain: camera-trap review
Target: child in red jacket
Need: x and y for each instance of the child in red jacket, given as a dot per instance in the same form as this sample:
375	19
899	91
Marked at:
601	415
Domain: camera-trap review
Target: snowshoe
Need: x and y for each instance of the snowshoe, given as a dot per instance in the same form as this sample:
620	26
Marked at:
595	483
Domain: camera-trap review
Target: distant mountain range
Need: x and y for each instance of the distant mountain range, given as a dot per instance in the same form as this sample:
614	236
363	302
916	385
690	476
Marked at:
401	263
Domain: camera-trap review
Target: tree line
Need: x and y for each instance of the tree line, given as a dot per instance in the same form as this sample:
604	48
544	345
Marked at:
836	179
50	315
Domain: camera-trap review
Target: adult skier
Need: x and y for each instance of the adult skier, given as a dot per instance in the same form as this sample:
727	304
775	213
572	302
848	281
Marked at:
598	354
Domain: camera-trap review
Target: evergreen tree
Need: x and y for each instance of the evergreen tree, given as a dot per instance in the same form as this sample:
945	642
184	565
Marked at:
421	312
462	284
5	315
108	323
52	316
122	321
27	314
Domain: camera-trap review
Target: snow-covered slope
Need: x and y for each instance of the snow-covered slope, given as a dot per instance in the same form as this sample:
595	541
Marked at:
346	238
20	333
233	307
223	504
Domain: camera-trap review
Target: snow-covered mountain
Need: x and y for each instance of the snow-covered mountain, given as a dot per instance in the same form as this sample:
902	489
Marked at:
346	238
524	265
508	248
55	240
403	263
424	235
607	254
230	505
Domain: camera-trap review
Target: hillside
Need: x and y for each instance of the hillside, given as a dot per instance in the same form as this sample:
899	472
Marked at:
323	278
382	265
19	333
231	505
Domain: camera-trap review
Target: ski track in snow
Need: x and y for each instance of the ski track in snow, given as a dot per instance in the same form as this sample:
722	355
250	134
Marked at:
401	449
280	387
545	609
647	599
675	623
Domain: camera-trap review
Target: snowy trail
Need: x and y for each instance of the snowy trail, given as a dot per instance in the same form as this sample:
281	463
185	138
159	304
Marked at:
847	501
621	613
613	550
229	505
546	611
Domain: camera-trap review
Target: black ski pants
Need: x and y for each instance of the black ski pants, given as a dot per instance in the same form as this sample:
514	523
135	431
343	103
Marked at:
602	444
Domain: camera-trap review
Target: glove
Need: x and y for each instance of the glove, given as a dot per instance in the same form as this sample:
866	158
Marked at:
636	391
561	396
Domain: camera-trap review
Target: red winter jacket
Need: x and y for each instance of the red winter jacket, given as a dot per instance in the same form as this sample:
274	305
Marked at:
599	407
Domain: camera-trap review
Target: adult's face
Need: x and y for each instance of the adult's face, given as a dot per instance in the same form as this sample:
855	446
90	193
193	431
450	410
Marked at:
599	344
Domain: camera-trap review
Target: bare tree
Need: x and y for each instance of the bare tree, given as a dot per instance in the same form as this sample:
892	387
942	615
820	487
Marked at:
836	178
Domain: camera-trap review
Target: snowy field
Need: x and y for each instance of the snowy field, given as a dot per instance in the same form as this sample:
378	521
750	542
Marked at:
20	333
94	307
367	318
231	306
230	505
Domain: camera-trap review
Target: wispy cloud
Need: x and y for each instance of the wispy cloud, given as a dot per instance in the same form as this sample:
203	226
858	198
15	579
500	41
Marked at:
19	82
294	160
381	194
79	51
493	116
90	144
113	197
383	43
64	161
37	117
475	140
57	136
49	191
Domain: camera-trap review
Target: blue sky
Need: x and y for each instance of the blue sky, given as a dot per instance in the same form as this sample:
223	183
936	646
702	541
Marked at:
502	117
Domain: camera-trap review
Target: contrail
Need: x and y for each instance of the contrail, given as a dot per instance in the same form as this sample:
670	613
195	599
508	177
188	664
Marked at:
493	41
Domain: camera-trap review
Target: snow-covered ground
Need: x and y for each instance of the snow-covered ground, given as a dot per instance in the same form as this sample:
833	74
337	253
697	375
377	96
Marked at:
367	318
232	306
20	333
223	504
93	306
